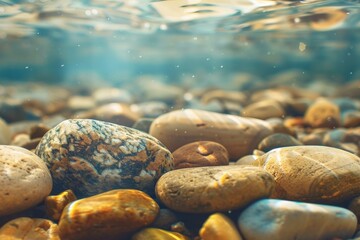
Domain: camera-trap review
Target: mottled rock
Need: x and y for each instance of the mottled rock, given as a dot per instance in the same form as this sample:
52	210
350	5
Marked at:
24	179
117	113
210	189
238	135
54	205
286	220
323	114
5	133
156	233
110	215
91	157
219	227
200	154
264	109
277	140
313	173
25	228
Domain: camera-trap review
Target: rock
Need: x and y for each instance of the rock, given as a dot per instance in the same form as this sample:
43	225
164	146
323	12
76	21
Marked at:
25	180
286	220
25	228
31	144
219	227
224	96
264	109
336	139
21	139
211	189
351	119
114	112
111	95
55	205
78	103
156	233
311	139
354	206
323	114
151	109
90	157
278	126
110	215
38	131
5	133
13	111
248	160
277	140
200	154
143	124
165	219
238	135
313	173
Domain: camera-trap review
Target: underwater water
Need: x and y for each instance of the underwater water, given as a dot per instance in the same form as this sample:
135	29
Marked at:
179	119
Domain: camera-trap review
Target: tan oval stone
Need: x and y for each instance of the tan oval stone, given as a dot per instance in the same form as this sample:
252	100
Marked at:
29	229
264	110
158	234
277	140
219	227
111	215
24	179
200	154
313	173
237	134
211	189
323	113
54	205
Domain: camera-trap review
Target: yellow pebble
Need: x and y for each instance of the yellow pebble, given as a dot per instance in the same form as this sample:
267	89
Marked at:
54	205
219	227
158	234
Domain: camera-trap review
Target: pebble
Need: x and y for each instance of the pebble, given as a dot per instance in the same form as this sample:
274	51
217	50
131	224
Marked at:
13	111
90	157
278	126
219	227
25	180
351	119
323	114
143	124
354	206
277	140
200	154
224	96
313	173
5	133
112	215
38	131
111	95
151	109
25	228
287	220
215	188
165	219
264	109
237	134
54	205
78	103
248	160
158	234
117	113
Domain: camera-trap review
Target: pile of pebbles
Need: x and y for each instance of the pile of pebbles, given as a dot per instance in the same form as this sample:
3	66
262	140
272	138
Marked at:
107	163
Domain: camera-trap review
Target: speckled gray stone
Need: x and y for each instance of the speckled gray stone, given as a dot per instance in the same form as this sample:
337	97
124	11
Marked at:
91	157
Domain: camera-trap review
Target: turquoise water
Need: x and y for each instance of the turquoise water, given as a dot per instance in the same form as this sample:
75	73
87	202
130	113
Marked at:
182	42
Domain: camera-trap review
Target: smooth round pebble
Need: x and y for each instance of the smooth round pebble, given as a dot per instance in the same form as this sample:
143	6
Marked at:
264	109
313	173
211	189
90	157
111	215
287	220
278	140
237	134
200	154
158	234
54	205
25	228
219	227
323	114
24	179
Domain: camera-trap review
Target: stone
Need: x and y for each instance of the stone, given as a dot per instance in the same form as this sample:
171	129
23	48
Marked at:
31	144
111	95
323	114
78	103
313	173
143	124
112	215
24	179
278	126
277	140
117	113
224	96
237	134
351	119
38	131
311	139
354	206
25	228
215	188
200	154
219	227
264	109
90	157
13	111
336	138
5	133
248	160
165	219
54	205
287	220
159	234
21	139
150	109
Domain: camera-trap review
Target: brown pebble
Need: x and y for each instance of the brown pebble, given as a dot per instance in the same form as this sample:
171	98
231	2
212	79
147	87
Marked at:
277	140
323	114
219	227
25	228
38	131
200	154
54	205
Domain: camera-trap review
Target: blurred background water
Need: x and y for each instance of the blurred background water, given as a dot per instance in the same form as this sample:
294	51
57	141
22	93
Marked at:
191	43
